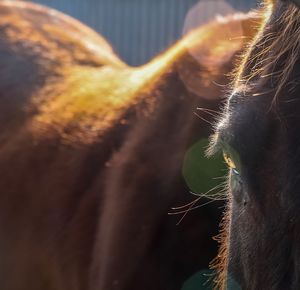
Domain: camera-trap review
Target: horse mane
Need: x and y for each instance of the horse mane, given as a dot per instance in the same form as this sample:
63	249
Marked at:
274	52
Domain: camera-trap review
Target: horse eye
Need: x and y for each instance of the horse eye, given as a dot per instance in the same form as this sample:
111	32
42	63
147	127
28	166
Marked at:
229	161
235	179
231	158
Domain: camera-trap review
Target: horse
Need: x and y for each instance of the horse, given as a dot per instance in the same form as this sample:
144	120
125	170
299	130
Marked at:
259	136
91	152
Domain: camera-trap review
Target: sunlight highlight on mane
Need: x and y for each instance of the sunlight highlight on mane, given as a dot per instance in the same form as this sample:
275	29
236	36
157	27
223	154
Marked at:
239	72
274	42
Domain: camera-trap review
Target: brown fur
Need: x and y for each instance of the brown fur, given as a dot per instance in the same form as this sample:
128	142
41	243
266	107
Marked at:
91	153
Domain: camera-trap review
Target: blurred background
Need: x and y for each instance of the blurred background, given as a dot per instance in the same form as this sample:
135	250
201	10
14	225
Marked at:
140	29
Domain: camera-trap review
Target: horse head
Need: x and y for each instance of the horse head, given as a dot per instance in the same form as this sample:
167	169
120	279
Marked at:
259	136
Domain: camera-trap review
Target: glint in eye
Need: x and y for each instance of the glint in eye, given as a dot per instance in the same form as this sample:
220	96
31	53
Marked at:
229	161
232	159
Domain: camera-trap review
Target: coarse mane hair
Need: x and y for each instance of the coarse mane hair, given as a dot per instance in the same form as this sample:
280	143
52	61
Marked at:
274	51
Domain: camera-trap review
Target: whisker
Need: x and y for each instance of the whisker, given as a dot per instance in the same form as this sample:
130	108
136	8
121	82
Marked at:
220	178
192	208
177	224
219	196
213	113
201	205
184	215
209	191
186	205
199	196
184	210
210	123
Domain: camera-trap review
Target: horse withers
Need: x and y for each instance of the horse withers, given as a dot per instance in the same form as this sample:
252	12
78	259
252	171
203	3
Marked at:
259	135
91	153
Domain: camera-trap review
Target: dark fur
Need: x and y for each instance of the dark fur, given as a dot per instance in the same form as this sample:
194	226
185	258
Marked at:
262	244
90	157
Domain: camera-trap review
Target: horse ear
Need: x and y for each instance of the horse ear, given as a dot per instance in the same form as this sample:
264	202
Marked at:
211	52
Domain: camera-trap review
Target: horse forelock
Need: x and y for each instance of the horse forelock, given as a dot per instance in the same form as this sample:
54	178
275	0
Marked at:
273	53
